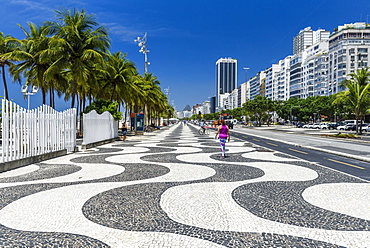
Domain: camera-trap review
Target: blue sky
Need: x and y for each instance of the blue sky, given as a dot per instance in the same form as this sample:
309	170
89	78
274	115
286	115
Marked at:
187	37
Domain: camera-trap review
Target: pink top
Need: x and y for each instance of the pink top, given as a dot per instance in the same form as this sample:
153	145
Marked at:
223	132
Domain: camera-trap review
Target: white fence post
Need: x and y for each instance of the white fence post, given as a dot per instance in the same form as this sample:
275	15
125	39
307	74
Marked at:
27	133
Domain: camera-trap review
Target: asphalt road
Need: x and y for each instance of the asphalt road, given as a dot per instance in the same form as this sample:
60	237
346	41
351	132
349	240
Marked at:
334	154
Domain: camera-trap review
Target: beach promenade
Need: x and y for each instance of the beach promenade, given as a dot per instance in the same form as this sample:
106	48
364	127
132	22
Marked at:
170	188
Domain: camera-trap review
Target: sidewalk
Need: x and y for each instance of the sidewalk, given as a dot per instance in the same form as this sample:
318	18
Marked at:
170	188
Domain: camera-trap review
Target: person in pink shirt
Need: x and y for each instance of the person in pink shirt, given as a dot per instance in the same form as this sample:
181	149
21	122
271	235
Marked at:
223	134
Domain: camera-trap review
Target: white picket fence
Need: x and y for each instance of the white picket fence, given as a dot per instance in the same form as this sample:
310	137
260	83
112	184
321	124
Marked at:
27	133
98	128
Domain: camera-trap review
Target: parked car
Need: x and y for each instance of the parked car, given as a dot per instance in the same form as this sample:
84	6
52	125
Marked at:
308	125
332	126
367	129
316	126
299	124
342	127
363	126
324	125
350	127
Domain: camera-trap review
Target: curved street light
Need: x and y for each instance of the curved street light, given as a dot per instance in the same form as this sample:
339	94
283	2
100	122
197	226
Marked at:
141	42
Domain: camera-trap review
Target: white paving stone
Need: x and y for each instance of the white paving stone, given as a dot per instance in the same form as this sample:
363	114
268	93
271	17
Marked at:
210	206
266	156
59	210
19	171
347	198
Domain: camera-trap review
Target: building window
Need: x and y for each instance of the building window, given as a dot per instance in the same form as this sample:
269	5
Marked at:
362	50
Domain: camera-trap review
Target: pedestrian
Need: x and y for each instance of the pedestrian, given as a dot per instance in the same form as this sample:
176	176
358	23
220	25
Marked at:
223	134
202	124
124	131
215	124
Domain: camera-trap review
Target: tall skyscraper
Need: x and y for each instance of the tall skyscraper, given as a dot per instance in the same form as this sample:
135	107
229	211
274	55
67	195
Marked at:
226	77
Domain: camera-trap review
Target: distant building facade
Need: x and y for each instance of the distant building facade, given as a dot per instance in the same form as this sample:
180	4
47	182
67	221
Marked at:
226	78
320	62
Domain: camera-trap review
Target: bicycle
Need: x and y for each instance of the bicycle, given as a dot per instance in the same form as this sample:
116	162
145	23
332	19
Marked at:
203	131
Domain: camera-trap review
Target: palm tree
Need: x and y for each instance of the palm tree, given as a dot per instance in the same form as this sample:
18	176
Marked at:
155	100
357	95
30	65
78	44
7	45
118	76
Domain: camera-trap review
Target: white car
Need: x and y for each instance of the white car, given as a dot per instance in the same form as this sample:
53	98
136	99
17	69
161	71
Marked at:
323	125
342	127
316	126
367	129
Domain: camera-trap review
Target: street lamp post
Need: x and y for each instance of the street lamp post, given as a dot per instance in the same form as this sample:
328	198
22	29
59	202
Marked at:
246	73
141	42
25	92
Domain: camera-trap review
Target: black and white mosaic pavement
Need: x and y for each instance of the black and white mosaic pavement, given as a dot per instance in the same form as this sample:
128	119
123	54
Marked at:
170	188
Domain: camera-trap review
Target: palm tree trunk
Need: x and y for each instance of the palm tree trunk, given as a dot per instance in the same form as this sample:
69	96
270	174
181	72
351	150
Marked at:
51	96
43	92
126	110
6	95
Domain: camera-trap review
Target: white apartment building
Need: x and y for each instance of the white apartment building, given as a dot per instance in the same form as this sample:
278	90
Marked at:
243	93
314	69
349	50
203	108
272	81
295	77
223	100
307	37
282	77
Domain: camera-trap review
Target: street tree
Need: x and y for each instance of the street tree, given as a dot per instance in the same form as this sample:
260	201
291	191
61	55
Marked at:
260	109
357	94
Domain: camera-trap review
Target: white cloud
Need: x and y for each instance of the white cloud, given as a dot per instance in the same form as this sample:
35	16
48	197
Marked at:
124	33
31	4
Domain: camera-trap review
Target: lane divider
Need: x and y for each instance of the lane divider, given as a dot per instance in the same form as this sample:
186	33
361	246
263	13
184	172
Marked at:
297	151
272	144
358	167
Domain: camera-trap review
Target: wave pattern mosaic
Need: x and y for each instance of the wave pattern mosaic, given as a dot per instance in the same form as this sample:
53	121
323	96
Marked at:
171	189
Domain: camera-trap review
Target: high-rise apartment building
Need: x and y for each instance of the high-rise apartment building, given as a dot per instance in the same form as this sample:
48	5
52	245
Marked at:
349	49
226	78
308	37
257	85
295	76
314	69
282	78
271	81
